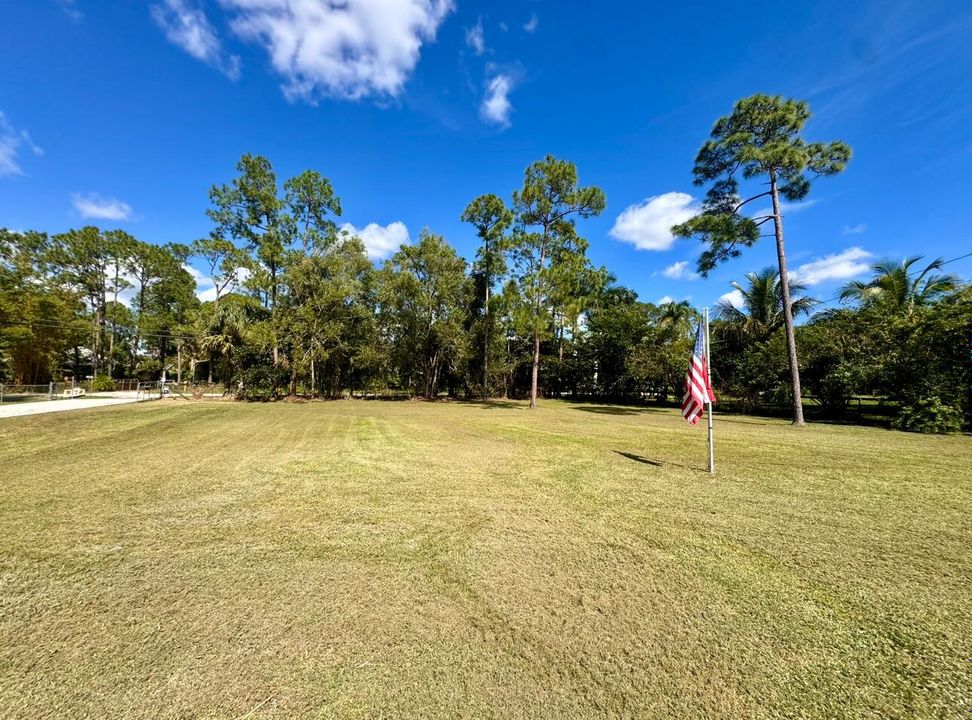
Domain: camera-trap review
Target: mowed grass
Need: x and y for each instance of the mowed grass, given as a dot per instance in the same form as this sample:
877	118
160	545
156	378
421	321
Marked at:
395	560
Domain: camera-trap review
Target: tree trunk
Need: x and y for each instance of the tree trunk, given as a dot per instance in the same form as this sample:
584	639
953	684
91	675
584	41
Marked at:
111	348
138	325
336	380
486	326
111	341
163	353
508	375
179	363
435	382
536	370
313	380
486	366
787	308
486	335
429	376
95	339
273	312
273	315
536	336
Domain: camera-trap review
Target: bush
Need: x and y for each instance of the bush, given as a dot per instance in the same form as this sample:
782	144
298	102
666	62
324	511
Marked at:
257	382
102	383
928	357
148	369
929	415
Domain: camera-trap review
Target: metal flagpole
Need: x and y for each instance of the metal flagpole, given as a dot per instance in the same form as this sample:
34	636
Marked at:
708	352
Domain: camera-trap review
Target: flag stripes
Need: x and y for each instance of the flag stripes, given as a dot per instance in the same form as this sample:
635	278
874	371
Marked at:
698	389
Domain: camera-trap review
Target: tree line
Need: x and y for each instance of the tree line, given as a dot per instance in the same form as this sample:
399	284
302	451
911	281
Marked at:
296	306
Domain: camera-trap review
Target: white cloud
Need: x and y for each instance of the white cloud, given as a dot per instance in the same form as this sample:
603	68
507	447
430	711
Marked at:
127	294
854	229
496	107
734	298
350	49
475	39
9	144
71	10
796	207
201	280
648	225
11	141
197	275
531	24
786	208
839	266
186	25
664	300
206	290
380	242
38	151
97	207
206	294
679	271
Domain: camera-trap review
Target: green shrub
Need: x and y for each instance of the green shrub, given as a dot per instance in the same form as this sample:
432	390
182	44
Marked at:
256	383
148	369
102	383
929	415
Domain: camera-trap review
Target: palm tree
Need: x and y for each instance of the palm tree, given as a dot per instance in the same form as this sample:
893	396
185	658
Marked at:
761	313
679	316
897	287
230	325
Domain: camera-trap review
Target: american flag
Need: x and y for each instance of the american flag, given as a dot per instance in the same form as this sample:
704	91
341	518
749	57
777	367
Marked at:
698	389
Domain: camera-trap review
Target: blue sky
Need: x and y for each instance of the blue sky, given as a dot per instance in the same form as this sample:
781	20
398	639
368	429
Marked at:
123	114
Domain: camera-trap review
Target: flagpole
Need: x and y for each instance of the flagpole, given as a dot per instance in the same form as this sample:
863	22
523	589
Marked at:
708	373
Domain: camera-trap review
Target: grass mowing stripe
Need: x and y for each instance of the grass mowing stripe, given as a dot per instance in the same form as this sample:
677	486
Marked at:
394	559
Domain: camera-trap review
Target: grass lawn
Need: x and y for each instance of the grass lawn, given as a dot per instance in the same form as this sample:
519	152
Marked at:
394	559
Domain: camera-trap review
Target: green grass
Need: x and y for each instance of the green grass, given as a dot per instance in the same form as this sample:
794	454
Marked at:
391	560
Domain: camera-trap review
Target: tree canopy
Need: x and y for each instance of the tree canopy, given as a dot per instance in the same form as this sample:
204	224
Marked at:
759	141
297	308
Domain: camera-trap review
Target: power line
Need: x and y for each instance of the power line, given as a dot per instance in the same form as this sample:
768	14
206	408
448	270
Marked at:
960	257
53	324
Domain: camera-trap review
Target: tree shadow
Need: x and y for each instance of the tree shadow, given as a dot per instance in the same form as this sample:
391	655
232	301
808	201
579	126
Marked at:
744	420
611	409
495	404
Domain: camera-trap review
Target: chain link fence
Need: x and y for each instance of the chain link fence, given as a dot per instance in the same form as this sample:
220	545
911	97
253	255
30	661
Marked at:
15	393
153	390
143	390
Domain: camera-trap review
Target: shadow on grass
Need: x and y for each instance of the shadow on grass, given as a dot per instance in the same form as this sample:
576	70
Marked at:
746	420
639	458
658	463
496	404
613	409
